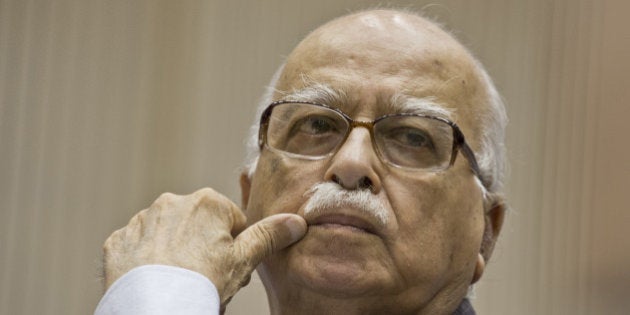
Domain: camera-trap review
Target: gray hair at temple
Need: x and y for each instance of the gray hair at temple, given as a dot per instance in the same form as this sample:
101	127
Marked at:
490	156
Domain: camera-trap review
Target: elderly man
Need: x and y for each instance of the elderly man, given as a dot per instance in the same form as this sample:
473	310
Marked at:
362	195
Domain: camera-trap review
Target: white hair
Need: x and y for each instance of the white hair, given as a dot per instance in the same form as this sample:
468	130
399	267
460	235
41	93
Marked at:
252	148
491	154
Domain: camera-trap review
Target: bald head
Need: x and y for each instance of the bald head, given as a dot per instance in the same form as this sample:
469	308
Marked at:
390	41
383	42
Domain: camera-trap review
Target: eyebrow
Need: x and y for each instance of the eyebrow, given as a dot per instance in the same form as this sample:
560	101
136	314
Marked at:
427	106
317	93
398	103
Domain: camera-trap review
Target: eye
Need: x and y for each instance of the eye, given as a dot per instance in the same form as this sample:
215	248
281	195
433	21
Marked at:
411	137
315	125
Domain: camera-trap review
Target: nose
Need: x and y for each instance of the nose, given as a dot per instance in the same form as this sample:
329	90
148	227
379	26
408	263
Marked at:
354	165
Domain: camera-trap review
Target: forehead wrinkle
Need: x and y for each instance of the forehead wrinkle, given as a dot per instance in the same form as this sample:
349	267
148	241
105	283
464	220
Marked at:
401	103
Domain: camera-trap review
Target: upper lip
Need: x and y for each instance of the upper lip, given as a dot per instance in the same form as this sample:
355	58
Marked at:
344	216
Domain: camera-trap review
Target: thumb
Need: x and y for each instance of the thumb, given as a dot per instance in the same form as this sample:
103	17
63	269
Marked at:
268	236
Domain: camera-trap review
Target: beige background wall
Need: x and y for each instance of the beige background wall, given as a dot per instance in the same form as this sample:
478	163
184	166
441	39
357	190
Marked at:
106	104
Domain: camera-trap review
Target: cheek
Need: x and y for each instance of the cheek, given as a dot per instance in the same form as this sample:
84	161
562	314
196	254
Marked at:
279	184
440	225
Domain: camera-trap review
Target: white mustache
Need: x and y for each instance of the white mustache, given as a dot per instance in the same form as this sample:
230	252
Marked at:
330	195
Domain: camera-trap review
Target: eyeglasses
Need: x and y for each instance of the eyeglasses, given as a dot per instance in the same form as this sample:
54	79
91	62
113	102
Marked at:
314	131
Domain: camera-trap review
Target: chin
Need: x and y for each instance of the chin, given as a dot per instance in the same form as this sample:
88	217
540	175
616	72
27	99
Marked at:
341	267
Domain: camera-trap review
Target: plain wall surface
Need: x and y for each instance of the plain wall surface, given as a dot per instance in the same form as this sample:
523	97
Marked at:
106	104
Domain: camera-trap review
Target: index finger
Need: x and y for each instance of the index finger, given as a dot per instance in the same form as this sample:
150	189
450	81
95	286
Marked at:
219	204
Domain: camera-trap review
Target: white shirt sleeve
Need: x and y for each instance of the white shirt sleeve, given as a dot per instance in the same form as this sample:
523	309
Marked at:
159	289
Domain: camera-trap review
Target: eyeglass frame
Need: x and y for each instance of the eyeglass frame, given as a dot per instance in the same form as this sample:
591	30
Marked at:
459	142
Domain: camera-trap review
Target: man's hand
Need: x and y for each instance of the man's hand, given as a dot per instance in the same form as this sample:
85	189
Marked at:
204	232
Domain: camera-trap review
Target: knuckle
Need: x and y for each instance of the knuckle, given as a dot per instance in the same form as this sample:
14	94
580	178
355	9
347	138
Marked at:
212	199
107	245
205	193
165	197
112	241
142	215
107	253
164	202
204	196
137	218
211	205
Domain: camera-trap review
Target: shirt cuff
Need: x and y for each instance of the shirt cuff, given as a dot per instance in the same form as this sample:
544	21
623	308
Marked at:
160	289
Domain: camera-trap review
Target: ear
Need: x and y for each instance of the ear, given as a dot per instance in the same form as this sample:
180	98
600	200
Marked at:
246	185
493	223
479	268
